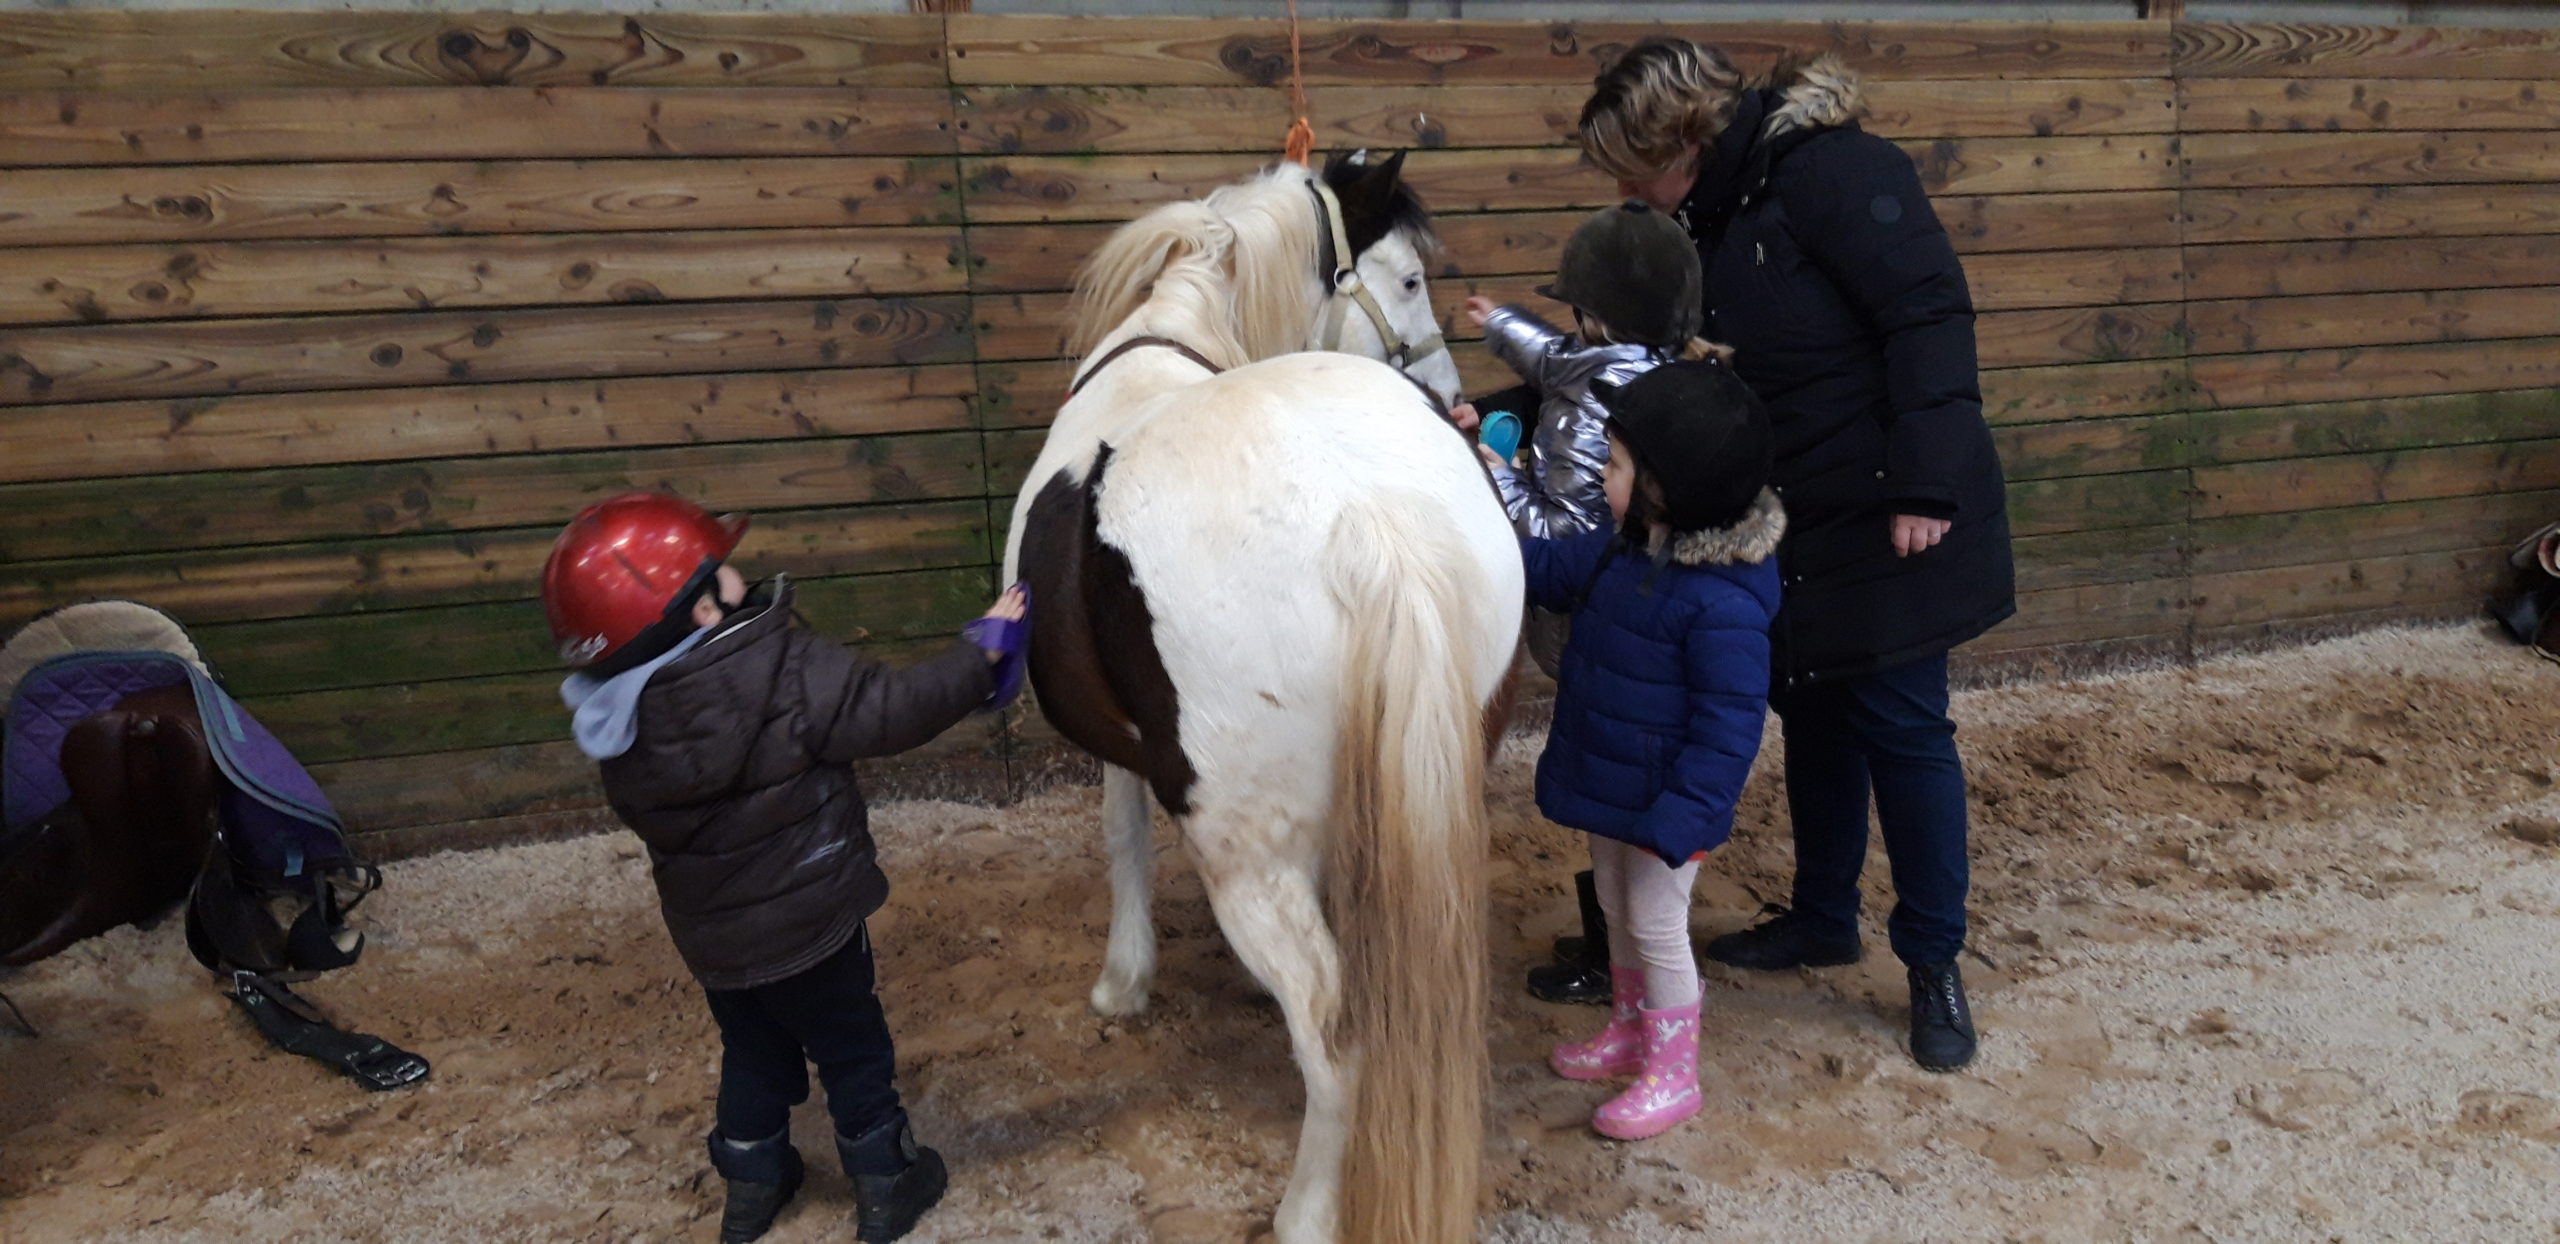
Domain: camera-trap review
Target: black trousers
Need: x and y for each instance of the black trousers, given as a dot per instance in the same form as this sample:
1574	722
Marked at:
1887	736
827	1015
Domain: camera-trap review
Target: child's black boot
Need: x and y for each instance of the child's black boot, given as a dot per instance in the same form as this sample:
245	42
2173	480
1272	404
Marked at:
763	1177
895	1180
1581	970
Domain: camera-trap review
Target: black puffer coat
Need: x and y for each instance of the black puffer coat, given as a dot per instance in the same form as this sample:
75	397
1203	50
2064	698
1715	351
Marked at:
740	784
1828	272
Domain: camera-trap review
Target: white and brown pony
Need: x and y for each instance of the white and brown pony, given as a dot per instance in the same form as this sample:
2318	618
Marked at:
1274	589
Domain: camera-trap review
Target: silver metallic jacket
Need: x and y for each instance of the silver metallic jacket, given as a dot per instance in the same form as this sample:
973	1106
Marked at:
1560	494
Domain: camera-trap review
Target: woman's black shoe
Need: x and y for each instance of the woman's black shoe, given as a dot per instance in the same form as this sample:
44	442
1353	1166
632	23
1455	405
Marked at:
1942	1037
762	1179
1580	973
1783	941
1570	982
895	1180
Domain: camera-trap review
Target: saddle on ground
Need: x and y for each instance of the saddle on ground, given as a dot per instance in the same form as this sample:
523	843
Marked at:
2530	607
129	781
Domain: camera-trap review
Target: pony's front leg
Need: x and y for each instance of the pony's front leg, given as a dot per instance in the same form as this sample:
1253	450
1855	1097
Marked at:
1129	965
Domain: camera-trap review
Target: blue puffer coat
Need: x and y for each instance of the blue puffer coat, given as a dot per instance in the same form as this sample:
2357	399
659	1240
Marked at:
1663	686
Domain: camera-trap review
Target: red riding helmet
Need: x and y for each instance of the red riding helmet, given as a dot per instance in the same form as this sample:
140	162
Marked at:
629	566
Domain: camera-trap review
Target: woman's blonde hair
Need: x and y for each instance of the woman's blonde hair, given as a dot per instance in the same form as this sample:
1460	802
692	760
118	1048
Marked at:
1652	102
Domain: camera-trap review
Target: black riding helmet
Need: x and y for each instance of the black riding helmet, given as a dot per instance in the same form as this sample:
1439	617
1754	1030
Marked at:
1637	271
1700	433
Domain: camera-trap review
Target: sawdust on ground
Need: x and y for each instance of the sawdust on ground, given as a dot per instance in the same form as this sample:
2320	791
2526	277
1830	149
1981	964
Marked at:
2264	950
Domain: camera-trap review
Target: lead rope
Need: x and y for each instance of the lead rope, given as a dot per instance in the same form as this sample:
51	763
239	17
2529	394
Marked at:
1301	142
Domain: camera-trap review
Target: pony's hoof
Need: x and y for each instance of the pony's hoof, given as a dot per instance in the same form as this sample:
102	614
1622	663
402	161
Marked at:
1118	999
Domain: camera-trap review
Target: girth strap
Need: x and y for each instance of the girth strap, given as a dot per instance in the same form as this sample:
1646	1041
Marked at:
290	1023
1140	343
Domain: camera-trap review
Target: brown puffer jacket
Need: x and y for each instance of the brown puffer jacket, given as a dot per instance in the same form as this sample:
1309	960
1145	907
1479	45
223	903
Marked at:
740	784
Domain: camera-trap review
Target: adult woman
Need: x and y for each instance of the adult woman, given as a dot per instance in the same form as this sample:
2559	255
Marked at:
1829	273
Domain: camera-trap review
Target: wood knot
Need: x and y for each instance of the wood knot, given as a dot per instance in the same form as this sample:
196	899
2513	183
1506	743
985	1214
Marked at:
1259	65
490	62
385	355
183	206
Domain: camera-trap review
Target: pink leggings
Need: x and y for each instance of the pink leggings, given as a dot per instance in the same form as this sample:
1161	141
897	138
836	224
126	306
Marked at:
1647	902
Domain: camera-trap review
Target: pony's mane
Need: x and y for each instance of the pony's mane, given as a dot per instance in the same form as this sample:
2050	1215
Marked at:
1239	264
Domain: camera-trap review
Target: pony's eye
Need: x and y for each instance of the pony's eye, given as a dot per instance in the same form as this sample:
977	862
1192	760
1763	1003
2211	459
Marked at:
1413	285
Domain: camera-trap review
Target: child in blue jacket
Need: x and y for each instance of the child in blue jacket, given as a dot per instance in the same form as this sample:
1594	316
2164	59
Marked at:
1659	701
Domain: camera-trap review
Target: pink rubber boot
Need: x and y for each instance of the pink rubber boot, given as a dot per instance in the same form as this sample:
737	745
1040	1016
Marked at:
1667	1090
1619	1049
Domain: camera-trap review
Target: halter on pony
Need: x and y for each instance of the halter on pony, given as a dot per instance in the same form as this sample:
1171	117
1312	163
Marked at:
1348	290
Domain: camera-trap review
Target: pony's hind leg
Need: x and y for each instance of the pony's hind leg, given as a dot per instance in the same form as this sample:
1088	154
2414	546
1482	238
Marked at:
1272	917
1129	964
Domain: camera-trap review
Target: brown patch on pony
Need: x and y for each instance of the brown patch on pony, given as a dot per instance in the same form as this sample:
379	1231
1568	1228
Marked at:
1506	697
1095	669
130	842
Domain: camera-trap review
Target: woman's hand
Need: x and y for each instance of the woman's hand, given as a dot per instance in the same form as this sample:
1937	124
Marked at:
1008	608
1479	309
1913	534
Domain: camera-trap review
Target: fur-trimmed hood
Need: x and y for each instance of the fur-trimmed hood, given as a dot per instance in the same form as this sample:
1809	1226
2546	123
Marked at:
1814	92
1749	542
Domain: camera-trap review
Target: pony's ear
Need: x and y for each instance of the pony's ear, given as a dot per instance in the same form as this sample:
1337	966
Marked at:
1361	174
1370	190
1375	180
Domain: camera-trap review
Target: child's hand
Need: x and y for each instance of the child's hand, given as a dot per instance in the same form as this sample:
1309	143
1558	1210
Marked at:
1464	415
1008	608
1913	534
1492	461
1479	309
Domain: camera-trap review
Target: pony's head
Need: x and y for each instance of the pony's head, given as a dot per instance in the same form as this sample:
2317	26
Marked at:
1257	270
1389	232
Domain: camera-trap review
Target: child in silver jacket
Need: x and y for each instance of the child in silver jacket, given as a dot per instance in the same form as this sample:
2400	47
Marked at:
1631	277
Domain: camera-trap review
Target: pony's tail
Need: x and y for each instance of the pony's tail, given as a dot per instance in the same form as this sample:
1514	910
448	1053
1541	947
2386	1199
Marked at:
1405	879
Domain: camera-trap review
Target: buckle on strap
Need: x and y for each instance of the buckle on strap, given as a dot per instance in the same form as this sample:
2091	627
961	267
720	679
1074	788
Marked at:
291	1024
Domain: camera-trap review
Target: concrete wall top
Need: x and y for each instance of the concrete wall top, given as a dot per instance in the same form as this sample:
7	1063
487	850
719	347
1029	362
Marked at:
2360	12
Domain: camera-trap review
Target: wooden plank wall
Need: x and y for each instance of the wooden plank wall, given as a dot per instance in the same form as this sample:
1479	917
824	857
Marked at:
314	326
2373	272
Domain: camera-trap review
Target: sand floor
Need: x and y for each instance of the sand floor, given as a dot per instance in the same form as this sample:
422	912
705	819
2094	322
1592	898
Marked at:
2267	950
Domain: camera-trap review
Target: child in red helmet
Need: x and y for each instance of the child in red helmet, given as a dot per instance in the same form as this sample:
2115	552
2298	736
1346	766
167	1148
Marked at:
724	733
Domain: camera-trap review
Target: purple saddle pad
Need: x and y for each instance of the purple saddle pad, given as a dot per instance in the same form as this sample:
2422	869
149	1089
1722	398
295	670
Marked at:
278	820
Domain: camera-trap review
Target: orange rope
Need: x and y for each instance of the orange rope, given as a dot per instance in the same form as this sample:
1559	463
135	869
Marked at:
1301	142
